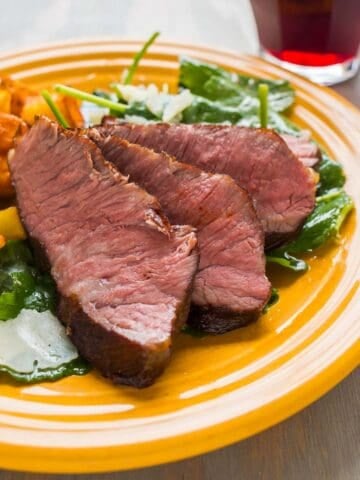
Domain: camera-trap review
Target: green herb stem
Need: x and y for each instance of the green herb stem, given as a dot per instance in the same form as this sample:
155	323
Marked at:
263	92
88	97
138	57
58	115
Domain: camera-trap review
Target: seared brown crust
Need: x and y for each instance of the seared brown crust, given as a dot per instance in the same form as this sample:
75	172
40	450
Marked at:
274	240
219	320
42	261
118	358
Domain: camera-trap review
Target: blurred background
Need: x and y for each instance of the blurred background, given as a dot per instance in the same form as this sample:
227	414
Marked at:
191	21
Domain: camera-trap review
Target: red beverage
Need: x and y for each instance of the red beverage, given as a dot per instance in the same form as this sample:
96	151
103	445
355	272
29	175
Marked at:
309	33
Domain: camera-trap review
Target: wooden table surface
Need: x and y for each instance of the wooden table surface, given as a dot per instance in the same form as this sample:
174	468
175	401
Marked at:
323	441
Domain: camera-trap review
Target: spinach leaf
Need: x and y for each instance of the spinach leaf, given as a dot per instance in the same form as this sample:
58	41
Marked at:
74	367
245	113
43	297
217	84
21	285
331	175
9	305
15	251
284	259
204	110
274	298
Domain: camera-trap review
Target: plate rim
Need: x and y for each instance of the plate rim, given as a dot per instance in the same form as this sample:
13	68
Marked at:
337	371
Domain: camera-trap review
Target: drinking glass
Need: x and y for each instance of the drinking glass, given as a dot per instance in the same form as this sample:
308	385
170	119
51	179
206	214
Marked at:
315	38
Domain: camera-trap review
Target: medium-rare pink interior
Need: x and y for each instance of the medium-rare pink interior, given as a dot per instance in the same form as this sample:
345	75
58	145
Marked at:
281	187
230	287
123	273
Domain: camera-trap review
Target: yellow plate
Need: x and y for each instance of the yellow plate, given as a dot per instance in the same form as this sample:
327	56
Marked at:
217	390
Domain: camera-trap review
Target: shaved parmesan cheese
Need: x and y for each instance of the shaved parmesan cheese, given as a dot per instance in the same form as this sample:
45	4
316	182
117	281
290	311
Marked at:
176	105
93	114
163	105
132	93
33	341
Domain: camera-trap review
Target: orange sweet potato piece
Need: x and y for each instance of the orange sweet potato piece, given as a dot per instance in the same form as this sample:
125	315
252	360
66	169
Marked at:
18	93
71	109
6	188
11	127
5	100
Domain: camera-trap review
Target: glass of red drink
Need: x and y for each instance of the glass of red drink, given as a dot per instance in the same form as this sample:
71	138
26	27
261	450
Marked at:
315	38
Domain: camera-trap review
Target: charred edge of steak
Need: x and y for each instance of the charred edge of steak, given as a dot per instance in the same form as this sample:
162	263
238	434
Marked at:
219	320
41	259
275	240
108	352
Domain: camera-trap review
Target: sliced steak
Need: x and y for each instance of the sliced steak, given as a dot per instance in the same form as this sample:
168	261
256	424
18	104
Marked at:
282	189
230	287
123	273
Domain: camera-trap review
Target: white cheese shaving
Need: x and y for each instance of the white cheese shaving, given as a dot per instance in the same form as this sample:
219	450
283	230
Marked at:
34	339
161	104
176	105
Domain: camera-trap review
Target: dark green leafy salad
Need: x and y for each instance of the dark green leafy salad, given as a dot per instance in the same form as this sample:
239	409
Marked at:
33	344
207	93
21	285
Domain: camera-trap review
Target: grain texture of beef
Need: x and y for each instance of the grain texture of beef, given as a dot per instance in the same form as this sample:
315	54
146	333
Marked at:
230	287
124	275
281	187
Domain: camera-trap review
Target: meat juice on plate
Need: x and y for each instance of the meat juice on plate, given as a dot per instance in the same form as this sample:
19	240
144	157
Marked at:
318	38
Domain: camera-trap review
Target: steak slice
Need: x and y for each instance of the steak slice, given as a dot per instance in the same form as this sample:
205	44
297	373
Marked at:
282	189
124	275
230	287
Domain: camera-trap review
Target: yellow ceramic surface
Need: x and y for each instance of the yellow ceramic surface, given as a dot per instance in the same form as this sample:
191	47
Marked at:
217	390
